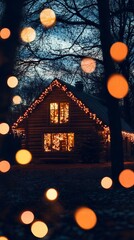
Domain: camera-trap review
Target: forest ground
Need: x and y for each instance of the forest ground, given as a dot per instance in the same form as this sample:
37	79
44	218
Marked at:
78	185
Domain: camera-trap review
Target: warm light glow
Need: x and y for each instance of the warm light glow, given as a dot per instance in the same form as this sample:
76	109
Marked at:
54	142
117	86
51	194
119	51
5	33
4	128
49	89
12	82
39	229
88	65
85	218
3	238
126	178
48	17
23	156
27	217
17	99
28	34
4	166
106	182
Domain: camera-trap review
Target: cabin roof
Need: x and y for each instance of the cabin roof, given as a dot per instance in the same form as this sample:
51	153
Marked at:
92	105
96	105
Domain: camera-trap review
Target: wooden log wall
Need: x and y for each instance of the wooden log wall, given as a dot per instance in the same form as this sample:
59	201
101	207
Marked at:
84	128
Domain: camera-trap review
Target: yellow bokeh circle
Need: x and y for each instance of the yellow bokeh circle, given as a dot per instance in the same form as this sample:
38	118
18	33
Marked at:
4	128
106	182
27	217
48	17
117	86
85	218
51	194
12	81
119	51
39	229
126	178
3	238
28	34
23	156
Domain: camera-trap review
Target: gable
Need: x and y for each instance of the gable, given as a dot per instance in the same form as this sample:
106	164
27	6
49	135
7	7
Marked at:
67	91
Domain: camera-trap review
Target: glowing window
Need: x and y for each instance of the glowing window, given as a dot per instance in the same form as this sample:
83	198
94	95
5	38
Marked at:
54	112
63	142
59	112
64	112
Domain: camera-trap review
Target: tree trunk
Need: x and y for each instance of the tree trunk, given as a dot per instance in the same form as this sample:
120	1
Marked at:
116	146
11	19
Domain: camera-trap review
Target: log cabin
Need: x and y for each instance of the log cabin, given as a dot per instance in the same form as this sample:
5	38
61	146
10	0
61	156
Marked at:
67	125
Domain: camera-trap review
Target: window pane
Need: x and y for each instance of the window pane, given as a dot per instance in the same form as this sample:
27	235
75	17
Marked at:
64	112
47	142
53	112
62	142
59	142
70	142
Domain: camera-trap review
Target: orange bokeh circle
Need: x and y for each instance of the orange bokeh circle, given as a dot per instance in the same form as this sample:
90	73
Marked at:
117	86
126	178
119	51
85	218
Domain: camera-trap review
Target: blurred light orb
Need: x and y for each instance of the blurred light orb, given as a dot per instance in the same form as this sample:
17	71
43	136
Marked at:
12	81
48	17
4	166
119	51
106	182
3	238
85	218
126	178
17	99
88	65
4	128
5	33
51	194
117	86
23	157
39	229
27	217
28	34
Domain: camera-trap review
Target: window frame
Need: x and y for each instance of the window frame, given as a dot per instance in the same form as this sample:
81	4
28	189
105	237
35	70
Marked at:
52	151
55	124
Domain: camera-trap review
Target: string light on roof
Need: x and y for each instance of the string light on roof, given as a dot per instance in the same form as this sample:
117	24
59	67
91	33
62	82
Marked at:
77	101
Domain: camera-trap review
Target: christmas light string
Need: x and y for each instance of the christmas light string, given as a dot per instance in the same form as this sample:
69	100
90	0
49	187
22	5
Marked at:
105	128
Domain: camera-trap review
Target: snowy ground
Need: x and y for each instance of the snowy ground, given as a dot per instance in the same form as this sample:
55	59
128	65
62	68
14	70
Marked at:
78	185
